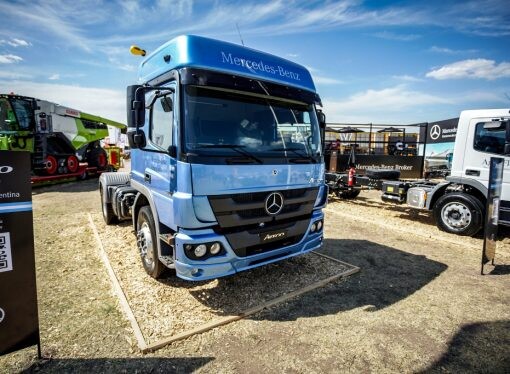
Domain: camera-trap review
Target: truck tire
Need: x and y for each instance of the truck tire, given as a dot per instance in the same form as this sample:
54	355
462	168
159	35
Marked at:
97	157
146	241
348	195
388	174
459	213
107	210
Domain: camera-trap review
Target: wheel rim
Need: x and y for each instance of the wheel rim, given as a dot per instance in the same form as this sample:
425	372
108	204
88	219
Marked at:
72	163
456	216
144	241
51	165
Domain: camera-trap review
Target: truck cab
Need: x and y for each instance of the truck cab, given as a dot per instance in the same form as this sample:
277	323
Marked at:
227	169
482	134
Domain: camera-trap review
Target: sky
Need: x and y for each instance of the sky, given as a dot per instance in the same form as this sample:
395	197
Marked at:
384	62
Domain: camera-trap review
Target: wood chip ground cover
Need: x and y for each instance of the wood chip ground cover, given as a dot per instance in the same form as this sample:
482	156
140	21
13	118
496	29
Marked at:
171	306
419	303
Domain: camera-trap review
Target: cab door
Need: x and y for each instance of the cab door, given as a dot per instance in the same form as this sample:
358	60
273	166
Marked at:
488	141
159	152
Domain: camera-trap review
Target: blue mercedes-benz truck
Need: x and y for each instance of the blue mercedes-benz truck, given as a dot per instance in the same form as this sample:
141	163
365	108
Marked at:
227	166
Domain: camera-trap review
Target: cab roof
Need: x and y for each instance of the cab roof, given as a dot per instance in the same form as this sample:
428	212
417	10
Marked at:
200	52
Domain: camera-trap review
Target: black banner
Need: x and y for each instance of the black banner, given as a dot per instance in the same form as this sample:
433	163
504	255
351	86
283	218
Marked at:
442	131
409	166
19	323
492	209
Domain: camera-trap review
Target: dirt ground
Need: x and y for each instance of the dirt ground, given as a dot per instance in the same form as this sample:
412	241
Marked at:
419	303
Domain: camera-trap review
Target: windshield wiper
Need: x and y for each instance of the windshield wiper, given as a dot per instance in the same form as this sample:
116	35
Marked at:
235	147
294	150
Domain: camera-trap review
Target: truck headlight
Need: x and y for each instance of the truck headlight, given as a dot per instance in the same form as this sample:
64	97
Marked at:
319	225
200	250
215	248
313	227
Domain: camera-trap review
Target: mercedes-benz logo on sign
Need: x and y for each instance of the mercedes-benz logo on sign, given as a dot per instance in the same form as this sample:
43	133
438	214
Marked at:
274	203
435	131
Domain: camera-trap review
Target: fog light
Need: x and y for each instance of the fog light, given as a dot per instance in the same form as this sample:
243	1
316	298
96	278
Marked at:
215	248
313	227
200	250
319	225
188	247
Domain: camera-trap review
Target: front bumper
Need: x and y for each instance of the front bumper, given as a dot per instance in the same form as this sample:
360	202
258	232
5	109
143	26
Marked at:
228	262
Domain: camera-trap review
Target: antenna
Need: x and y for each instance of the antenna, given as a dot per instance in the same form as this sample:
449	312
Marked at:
240	37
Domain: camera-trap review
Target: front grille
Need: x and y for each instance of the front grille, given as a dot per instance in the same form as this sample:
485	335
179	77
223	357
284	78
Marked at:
248	209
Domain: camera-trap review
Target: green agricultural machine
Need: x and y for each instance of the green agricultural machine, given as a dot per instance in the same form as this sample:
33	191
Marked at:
58	137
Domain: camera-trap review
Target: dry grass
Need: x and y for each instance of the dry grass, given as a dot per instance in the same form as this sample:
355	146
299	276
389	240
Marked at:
418	304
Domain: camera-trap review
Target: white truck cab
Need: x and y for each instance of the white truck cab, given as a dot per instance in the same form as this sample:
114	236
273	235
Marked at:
458	204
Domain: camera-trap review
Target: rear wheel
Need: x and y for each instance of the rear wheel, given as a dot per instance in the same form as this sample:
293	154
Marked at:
107	210
459	213
348	194
97	157
146	241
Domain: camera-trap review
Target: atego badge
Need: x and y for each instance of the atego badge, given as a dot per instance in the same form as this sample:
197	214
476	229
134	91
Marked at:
272	236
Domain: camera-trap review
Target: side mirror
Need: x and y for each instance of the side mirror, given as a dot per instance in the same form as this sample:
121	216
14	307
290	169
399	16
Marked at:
322	126
136	138
135	106
322	118
167	104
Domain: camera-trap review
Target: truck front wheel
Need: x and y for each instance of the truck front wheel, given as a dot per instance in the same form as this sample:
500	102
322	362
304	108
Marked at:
459	213
146	241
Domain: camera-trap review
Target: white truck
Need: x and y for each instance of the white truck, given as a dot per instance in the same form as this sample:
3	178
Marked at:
458	203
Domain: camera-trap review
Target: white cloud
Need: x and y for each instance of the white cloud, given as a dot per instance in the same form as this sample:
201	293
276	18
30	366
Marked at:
106	103
292	55
9	59
394	36
13	75
326	81
407	78
475	68
449	51
392	104
118	65
54	77
14	42
18	43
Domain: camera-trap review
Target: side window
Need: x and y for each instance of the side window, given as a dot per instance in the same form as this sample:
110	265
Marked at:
490	137
24	113
162	119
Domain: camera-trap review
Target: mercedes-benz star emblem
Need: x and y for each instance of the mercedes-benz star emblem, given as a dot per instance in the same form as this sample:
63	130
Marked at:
435	131
274	203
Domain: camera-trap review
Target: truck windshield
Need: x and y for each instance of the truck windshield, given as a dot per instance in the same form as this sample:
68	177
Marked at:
225	124
16	114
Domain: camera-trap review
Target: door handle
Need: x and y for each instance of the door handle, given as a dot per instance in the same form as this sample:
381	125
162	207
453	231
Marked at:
474	173
147	177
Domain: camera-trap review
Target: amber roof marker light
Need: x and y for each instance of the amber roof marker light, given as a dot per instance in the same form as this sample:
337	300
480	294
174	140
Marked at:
137	51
